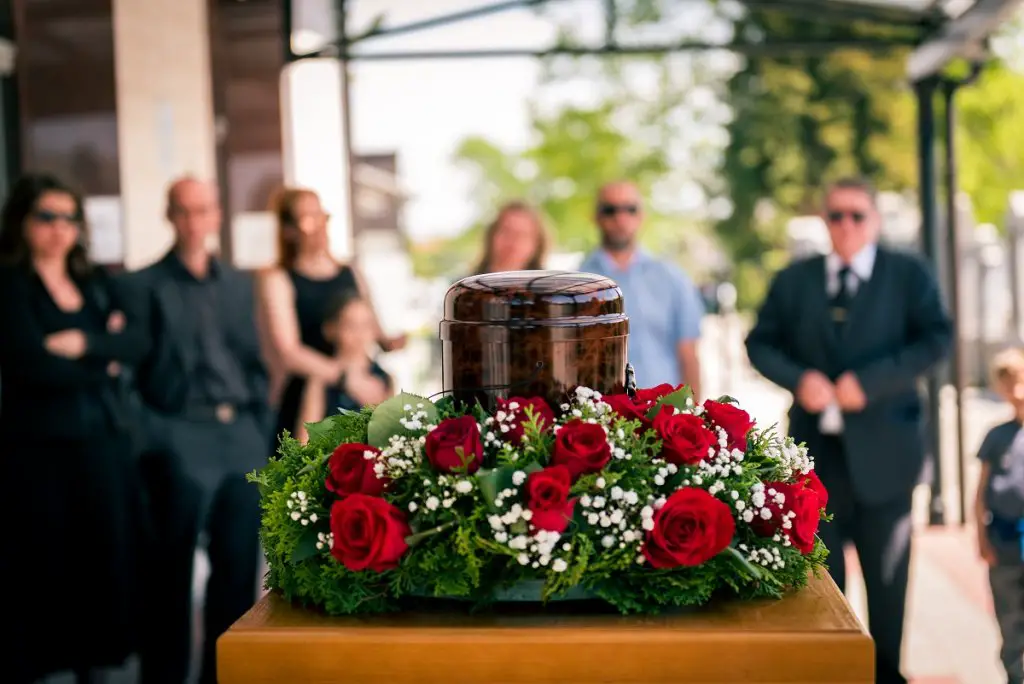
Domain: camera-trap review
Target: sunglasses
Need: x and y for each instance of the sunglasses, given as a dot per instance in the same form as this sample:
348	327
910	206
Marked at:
51	217
609	210
855	216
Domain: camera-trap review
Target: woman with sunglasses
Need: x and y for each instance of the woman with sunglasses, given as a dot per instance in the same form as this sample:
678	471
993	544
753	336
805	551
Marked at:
295	297
71	502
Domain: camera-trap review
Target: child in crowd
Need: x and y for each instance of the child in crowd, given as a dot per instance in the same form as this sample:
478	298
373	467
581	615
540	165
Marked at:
351	327
1000	512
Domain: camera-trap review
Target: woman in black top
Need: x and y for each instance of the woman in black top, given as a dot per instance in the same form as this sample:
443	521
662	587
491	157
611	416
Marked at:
295	298
71	499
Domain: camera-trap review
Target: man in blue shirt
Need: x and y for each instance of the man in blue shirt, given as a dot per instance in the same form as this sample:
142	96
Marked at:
663	305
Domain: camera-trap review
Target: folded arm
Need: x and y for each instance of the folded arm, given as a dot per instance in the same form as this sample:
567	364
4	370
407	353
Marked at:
277	302
127	342
23	353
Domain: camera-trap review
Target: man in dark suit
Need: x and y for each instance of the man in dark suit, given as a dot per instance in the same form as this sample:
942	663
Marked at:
204	390
850	334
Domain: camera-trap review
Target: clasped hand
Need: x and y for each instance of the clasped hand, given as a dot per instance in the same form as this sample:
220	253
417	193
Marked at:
816	392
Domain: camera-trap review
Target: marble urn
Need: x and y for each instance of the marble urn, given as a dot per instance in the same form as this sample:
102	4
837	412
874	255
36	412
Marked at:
533	333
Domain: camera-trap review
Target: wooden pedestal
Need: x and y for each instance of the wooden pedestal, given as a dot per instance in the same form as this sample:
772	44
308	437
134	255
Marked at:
811	637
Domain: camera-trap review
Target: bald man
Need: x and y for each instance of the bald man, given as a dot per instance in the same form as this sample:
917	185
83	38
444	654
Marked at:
204	392
664	307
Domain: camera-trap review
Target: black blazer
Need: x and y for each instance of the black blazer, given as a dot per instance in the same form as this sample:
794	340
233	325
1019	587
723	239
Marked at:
162	376
48	396
897	329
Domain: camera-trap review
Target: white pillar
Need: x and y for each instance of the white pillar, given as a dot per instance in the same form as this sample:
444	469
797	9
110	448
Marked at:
314	138
1015	257
165	117
314	141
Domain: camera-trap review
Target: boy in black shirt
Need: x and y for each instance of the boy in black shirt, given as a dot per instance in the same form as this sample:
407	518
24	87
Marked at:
1000	512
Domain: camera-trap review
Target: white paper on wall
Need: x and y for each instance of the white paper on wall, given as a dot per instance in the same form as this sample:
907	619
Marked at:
106	234
253	239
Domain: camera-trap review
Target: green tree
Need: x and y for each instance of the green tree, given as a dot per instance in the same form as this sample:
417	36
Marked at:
575	151
798	121
990	124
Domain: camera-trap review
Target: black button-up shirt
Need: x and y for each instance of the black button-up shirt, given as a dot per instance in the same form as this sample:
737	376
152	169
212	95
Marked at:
218	376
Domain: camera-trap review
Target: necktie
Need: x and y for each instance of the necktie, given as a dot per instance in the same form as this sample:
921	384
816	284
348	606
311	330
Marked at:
842	298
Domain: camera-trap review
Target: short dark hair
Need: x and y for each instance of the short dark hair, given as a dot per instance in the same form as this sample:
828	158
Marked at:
21	202
337	304
853	183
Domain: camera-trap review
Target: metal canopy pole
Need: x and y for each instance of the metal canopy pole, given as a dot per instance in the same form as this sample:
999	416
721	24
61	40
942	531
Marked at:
287	29
835	10
931	244
764	49
957	367
346	116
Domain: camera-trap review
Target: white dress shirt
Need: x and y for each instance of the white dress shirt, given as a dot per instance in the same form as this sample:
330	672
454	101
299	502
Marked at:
861	266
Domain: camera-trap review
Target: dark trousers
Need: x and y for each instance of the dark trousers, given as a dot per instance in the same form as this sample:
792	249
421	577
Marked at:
195	486
1007	582
881	534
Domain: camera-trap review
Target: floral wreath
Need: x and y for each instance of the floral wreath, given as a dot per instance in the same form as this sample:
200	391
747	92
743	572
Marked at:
643	500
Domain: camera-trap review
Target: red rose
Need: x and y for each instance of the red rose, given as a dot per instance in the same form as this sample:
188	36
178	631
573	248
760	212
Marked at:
454	446
369	533
581	447
684	438
690	529
800	506
807	507
350	471
811	481
637	406
735	421
519	417
547	497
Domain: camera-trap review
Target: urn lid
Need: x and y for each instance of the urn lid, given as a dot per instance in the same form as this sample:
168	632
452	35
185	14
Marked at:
558	297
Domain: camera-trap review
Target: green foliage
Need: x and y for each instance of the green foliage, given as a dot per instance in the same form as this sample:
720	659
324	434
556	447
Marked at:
493	480
990	117
798	120
465	527
573	152
388	416
801	120
681	399
577	150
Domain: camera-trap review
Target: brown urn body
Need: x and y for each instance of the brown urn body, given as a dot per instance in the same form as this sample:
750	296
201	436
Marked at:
533	334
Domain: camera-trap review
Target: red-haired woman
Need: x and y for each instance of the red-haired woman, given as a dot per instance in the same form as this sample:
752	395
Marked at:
295	298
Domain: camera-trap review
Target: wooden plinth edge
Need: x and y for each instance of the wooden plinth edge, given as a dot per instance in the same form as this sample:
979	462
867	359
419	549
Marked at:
810	637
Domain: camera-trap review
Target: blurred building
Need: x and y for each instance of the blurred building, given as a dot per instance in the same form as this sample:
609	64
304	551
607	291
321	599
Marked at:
120	96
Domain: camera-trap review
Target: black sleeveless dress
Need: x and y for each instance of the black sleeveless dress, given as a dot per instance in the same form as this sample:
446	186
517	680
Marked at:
313	301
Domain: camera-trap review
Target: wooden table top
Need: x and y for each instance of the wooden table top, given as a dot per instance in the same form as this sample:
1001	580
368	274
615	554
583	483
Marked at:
808	637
